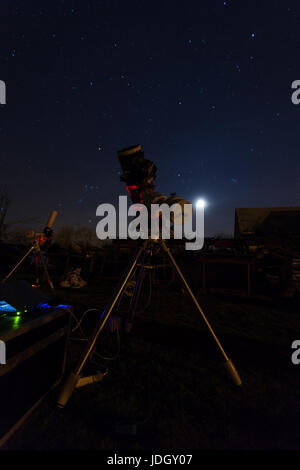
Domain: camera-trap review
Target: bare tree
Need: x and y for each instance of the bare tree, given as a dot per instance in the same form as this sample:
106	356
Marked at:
79	239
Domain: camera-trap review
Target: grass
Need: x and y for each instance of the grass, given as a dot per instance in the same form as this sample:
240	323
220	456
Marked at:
168	388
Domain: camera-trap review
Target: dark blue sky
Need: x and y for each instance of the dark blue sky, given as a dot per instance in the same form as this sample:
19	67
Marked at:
203	86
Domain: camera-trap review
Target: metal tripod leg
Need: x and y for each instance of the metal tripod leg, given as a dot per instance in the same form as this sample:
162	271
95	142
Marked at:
46	271
33	247
137	291
229	364
74	378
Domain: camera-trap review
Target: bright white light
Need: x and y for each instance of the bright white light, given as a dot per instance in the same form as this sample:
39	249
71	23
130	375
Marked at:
200	204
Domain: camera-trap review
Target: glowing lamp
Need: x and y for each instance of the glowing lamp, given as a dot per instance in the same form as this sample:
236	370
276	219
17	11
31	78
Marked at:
200	204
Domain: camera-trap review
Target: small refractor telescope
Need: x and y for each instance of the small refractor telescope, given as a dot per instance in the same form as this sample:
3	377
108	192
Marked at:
38	240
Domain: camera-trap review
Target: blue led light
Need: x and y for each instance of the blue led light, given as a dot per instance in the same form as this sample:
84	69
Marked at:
6	308
46	305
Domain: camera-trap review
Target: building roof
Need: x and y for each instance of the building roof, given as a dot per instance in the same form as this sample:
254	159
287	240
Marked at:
267	221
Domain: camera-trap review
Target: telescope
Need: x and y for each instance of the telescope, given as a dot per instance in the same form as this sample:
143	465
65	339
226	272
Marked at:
39	239
44	238
139	175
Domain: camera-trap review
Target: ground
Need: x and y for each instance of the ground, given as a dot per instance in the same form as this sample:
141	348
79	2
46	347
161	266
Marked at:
168	388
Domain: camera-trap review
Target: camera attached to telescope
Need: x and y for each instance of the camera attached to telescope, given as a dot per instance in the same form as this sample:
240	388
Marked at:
138	172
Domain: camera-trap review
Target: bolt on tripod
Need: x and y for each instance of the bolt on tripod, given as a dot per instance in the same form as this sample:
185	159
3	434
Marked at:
75	380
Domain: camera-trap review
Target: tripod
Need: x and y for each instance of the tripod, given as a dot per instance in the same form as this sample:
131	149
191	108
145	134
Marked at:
75	380
35	247
38	240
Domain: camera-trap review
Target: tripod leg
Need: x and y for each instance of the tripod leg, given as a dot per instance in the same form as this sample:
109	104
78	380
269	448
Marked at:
72	380
19	263
37	280
46	271
136	294
229	365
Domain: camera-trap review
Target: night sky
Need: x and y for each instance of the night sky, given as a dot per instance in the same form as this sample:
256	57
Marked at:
203	86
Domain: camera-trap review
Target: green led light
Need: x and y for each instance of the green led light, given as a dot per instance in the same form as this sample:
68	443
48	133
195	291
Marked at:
16	321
